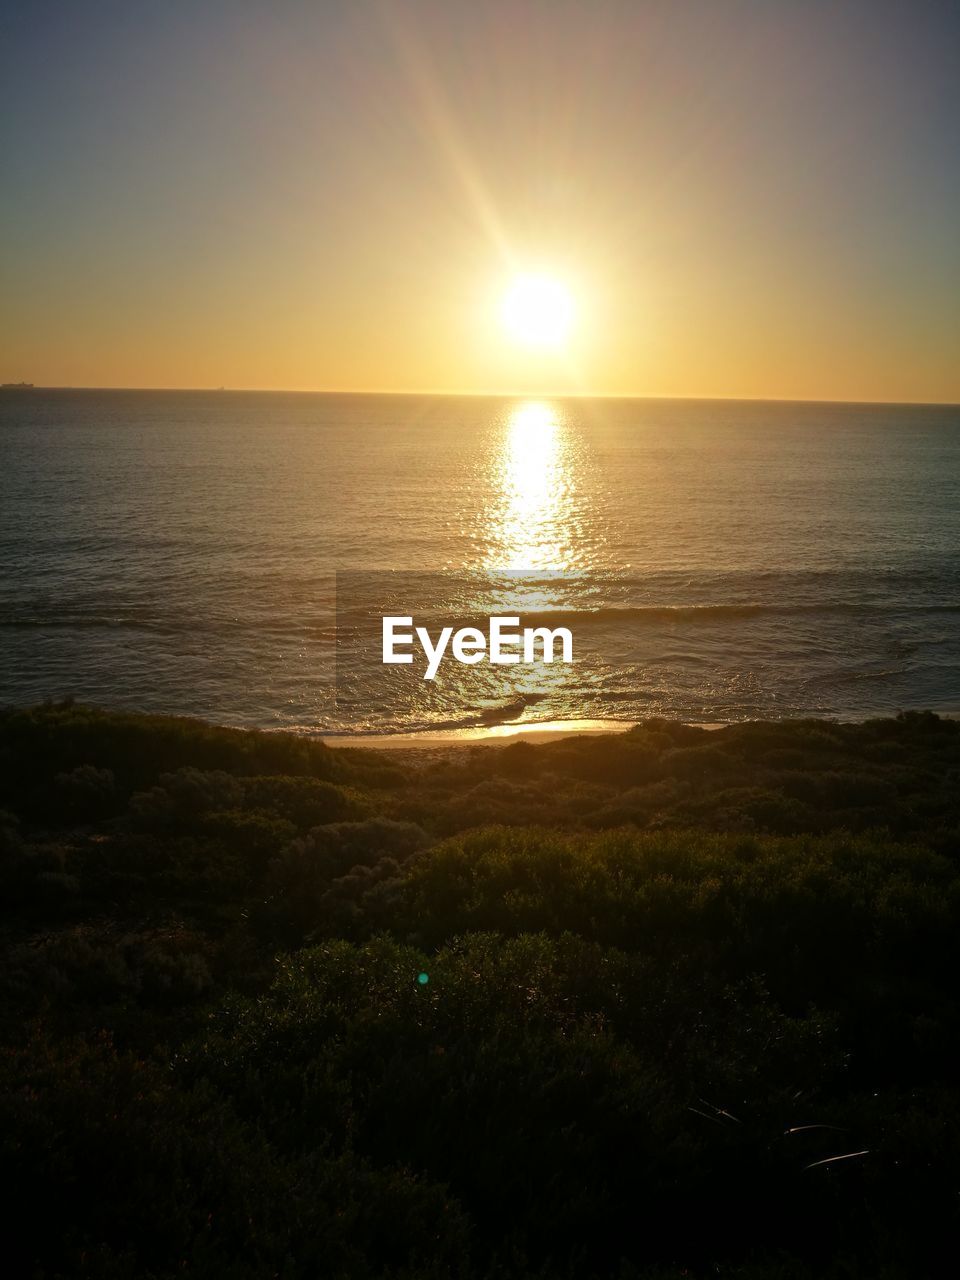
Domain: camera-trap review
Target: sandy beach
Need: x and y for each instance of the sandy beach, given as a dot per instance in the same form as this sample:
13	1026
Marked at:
482	735
491	736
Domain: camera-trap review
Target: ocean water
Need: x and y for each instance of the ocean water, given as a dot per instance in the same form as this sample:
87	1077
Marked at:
179	552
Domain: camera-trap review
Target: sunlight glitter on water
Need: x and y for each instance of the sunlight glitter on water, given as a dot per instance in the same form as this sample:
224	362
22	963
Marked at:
533	525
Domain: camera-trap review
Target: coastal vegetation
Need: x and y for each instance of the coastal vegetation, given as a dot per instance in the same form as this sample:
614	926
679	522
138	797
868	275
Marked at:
666	1003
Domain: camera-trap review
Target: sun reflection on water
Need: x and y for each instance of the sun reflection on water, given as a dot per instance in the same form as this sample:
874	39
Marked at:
534	525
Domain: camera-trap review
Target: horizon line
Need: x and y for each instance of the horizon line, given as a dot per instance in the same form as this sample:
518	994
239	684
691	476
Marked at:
489	395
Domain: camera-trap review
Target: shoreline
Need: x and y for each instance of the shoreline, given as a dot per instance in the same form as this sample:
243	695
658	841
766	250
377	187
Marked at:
490	735
547	731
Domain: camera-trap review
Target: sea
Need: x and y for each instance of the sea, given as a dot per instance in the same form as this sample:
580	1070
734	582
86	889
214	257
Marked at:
715	561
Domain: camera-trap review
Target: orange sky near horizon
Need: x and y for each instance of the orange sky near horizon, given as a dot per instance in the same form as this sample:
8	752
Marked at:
744	200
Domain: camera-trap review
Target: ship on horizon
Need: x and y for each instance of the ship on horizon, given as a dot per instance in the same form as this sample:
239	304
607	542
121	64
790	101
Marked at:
16	386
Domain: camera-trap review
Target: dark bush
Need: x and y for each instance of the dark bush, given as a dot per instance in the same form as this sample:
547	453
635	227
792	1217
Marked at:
689	1008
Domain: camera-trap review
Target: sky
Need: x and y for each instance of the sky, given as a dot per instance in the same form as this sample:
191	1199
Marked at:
745	198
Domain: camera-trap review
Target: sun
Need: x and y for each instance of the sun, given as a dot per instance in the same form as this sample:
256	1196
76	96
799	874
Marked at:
538	311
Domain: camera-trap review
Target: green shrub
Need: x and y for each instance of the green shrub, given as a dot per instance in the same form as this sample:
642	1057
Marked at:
621	1035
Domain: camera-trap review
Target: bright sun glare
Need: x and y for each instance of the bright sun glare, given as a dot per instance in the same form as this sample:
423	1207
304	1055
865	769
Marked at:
538	311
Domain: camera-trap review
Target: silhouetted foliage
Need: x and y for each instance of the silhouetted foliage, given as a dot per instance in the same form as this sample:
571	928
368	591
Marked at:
606	1007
